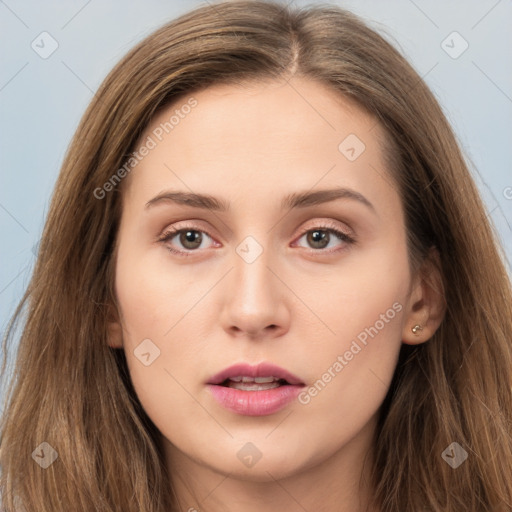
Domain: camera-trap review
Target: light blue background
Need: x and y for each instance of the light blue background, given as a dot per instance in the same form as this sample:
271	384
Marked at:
42	100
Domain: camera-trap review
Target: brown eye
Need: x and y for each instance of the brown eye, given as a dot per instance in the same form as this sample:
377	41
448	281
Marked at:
322	237
190	238
318	239
184	241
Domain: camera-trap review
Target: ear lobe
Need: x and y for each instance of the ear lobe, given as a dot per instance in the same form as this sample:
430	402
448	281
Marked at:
427	304
114	330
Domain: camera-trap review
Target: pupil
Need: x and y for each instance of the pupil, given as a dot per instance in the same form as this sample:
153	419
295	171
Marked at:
318	237
191	239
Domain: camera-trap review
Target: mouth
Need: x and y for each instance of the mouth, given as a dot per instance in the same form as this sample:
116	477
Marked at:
254	390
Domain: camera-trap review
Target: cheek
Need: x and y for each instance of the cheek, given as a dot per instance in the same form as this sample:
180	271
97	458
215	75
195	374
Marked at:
153	296
353	364
160	315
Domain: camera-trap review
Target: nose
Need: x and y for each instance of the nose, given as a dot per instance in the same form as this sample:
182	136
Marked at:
255	300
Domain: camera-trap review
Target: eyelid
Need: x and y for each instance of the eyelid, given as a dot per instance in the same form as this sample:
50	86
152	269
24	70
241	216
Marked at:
327	224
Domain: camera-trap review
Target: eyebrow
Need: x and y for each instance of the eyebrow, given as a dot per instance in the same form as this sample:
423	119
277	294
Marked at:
294	200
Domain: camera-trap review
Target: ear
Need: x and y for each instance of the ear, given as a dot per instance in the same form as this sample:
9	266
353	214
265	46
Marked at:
426	306
115	330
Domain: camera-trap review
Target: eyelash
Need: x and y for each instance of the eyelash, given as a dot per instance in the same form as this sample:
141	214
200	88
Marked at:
172	232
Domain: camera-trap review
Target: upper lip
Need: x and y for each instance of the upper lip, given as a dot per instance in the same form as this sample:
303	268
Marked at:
259	370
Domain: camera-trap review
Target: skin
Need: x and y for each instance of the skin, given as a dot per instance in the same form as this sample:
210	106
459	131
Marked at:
296	305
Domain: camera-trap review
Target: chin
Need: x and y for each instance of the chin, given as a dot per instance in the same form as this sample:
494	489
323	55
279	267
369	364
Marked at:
261	460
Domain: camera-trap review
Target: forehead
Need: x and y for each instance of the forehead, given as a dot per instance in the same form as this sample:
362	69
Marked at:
265	135
299	106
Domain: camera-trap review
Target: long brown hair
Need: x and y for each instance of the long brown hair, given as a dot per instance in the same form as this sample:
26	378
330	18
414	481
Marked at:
73	392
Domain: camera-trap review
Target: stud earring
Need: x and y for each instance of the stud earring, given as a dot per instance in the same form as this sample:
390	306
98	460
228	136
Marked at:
417	328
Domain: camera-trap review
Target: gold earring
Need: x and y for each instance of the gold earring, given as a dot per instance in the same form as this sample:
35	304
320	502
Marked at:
416	328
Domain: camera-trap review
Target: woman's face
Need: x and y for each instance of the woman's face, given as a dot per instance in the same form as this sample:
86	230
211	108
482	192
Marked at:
290	250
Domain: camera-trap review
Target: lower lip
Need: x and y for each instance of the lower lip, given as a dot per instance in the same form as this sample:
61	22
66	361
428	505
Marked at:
254	403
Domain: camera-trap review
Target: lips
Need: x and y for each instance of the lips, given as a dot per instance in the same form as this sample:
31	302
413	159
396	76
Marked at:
260	373
254	390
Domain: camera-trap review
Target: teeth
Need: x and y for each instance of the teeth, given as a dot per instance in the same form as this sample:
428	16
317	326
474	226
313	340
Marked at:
258	380
261	380
253	386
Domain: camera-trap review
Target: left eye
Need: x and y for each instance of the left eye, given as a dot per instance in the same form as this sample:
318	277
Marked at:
320	238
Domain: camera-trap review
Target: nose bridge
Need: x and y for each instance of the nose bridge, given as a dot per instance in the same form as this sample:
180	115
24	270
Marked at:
254	301
251	274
